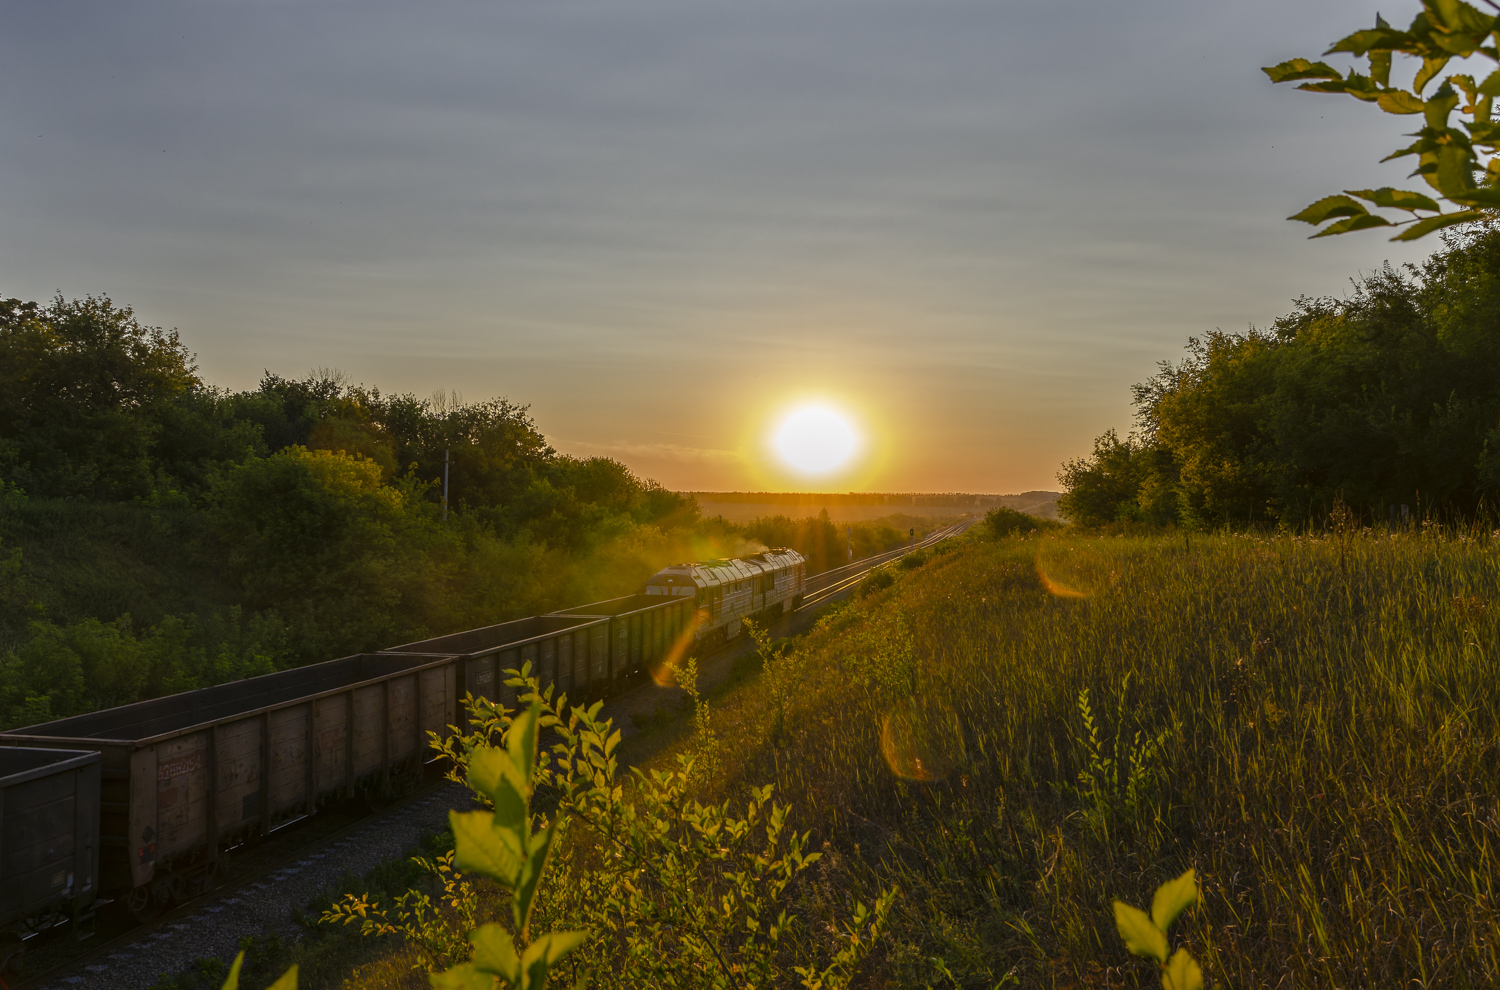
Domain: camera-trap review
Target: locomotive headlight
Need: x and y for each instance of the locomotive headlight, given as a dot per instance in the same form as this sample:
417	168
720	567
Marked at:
816	439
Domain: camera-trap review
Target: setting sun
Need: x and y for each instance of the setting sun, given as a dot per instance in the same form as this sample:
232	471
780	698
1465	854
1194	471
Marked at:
816	439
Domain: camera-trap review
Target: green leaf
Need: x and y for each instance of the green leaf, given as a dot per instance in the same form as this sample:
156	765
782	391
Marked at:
1484	131
494	952
1379	37
1175	896
1430	68
521	742
546	952
232	981
523	889
1424	227
1351	224
1329	207
1400	101
1380	68
287	981
1402	153
1182	972
478	847
1301	68
1141	937
1397	199
1491	84
1455	171
464	976
1457	17
1440	106
493	773
1483	199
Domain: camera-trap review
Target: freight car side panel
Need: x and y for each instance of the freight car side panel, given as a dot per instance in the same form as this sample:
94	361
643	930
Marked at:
401	727
38	843
437	701
330	744
141	839
288	790
369	729
237	762
182	773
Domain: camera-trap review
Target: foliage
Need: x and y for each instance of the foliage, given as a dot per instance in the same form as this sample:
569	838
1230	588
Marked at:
437	929
1458	164
1388	397
502	844
287	981
1117	780
1146	934
1001	521
779	666
669	891
82	387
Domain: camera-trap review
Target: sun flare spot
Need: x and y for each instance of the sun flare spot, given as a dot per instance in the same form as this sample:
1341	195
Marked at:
815	439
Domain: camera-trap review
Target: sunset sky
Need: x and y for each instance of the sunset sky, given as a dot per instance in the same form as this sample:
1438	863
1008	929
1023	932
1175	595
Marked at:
969	226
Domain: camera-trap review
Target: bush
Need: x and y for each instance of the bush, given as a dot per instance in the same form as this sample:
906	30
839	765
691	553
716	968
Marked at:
1001	522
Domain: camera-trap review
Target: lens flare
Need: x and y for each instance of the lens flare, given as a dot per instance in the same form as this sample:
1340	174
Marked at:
664	672
816	439
1055	586
1075	570
912	750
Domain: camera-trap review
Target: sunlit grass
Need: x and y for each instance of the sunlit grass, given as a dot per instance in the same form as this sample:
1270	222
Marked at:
1330	763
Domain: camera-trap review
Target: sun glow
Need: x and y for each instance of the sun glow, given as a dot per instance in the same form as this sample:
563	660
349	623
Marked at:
816	439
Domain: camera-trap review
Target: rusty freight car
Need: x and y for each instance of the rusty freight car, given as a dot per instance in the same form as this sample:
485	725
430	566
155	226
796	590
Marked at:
49	842
571	653
644	630
187	776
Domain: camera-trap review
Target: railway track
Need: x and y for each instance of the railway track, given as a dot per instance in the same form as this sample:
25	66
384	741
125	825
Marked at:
821	588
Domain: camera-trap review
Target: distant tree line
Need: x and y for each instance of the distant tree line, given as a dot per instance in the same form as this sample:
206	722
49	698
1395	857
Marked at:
1390	396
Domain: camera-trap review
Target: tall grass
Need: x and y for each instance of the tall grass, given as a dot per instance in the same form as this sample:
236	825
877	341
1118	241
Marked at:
1309	723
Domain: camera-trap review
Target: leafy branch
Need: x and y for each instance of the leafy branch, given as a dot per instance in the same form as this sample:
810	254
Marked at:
1458	164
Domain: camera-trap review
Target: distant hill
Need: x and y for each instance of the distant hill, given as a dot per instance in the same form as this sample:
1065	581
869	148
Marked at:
857	506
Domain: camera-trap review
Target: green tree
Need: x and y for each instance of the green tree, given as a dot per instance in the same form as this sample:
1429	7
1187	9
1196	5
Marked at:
347	561
83	389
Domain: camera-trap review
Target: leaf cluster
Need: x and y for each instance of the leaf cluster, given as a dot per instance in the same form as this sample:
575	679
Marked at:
1458	163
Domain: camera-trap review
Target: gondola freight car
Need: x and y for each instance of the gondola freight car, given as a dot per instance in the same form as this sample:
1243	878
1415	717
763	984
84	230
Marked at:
187	776
570	653
49	842
644	630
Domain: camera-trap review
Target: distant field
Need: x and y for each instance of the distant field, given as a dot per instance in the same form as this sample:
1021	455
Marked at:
739	512
744	506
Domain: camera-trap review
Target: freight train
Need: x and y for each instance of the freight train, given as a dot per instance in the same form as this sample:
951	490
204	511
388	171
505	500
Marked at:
142	803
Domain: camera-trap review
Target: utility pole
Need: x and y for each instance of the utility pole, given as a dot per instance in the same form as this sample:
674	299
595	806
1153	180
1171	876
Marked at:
445	484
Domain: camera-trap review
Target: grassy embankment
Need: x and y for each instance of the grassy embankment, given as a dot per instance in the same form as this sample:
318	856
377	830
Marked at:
1326	711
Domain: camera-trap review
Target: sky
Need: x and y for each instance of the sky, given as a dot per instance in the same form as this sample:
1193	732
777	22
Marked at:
970	225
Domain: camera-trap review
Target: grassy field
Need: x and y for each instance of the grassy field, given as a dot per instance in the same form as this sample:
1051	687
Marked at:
1015	733
1310	723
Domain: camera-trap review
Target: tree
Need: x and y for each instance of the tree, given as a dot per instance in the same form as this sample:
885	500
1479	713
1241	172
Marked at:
1459	165
83	388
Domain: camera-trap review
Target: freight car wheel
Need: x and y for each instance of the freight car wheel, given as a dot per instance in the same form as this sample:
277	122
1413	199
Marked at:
141	904
12	954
